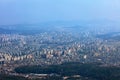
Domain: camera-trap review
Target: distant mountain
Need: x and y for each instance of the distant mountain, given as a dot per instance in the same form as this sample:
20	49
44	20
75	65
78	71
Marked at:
110	36
71	26
6	31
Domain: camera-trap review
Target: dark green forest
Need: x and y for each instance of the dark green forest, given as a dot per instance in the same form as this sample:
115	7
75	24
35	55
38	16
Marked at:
89	71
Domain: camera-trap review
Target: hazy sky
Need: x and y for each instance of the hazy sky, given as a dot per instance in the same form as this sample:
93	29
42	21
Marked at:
35	11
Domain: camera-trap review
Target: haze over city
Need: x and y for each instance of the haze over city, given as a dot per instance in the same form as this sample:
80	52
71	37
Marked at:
37	11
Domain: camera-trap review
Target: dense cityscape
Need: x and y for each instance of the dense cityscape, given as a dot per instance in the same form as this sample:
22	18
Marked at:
56	47
59	40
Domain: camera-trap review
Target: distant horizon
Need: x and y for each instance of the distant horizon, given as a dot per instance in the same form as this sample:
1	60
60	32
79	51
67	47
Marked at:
75	22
